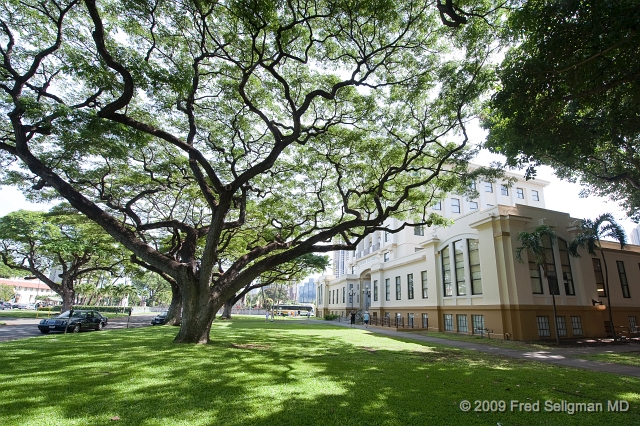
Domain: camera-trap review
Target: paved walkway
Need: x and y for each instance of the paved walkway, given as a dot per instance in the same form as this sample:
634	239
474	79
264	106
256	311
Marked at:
559	356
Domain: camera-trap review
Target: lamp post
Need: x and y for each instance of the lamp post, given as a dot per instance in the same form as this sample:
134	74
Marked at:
367	294
351	294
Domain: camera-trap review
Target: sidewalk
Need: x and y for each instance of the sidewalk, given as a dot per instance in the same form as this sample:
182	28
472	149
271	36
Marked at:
559	356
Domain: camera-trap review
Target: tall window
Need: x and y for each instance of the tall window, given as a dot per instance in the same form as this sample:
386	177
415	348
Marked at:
504	190
462	323
344	291
567	276
437	206
446	272
597	271
375	290
386	237
461	283
473	205
562	326
488	187
543	327
472	185
552	276
455	205
386	257
398	289
633	324
418	230
425	321
534	195
478	323
576	325
351	293
424	284
387	288
448	322
520	193
474	266
623	279
410	286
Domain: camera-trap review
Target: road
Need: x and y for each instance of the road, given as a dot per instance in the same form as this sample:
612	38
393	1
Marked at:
20	328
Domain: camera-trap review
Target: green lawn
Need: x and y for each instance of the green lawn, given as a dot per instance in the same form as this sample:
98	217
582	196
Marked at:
284	373
627	358
508	344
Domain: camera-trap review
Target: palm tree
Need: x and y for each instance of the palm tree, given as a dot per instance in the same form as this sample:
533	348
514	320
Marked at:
533	243
592	231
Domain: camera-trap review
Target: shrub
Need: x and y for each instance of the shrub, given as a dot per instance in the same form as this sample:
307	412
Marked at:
330	317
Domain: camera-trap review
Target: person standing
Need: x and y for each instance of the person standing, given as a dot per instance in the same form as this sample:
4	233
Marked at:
353	318
366	319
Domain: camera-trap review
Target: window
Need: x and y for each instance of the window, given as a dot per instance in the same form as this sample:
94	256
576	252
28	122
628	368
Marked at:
423	274
504	190
344	292
576	325
398	289
520	193
488	187
446	272
552	278
386	257
474	266
597	271
567	277
375	290
534	195
386	237
461	282
425	320
462	323
562	326
633	324
455	205
418	230
543	327
534	273
410	286
478	324
437	206
448	322
351	292
472	185
387	288
473	205
623	279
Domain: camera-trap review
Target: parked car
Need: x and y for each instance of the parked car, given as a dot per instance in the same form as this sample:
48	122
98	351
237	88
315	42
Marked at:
160	319
31	306
5	305
21	306
80	320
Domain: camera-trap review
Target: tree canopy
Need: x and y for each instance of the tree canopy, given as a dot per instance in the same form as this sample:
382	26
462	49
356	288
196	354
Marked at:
569	95
219	140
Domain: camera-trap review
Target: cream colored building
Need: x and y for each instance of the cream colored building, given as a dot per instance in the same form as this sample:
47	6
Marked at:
26	291
465	278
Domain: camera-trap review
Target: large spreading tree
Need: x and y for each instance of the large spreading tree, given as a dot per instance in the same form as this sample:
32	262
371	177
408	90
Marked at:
569	95
218	140
59	248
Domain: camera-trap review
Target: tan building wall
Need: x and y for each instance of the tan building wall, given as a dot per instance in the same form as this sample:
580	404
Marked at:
506	302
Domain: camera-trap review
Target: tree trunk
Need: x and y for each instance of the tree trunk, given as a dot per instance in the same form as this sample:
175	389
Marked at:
198	311
68	295
606	280
228	305
174	315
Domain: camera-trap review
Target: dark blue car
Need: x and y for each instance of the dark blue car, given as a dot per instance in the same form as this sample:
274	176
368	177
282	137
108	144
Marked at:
79	321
